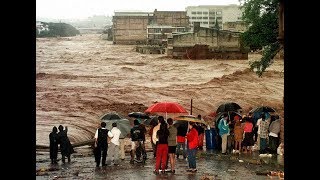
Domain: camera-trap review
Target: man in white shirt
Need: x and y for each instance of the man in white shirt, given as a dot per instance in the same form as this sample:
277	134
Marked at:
113	150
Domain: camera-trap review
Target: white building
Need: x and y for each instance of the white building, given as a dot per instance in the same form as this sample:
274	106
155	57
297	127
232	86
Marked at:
207	15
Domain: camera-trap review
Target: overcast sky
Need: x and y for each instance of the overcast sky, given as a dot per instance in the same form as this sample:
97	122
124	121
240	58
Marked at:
66	9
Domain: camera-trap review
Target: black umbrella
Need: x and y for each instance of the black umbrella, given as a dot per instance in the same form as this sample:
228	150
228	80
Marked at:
140	115
122	124
152	121
231	115
263	109
111	116
230	106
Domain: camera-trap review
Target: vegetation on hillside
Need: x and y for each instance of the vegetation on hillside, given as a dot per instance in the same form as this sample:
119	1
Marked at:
58	29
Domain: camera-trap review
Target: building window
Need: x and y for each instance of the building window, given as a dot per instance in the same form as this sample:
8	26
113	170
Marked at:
211	17
199	17
193	18
205	12
204	17
212	13
193	12
199	12
219	12
205	22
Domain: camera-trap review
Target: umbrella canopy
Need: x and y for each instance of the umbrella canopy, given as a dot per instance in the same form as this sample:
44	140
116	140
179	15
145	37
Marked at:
122	124
189	118
152	121
111	116
230	106
166	107
231	116
140	115
263	109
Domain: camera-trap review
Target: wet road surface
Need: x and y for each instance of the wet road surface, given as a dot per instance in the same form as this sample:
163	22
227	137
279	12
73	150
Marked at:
210	165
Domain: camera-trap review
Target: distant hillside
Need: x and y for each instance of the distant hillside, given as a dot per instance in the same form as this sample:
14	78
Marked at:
57	29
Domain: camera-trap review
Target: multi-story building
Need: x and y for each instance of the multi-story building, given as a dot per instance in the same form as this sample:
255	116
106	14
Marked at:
131	27
208	15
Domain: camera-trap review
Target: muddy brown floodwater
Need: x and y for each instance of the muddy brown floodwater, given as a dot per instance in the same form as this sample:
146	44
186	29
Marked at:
80	78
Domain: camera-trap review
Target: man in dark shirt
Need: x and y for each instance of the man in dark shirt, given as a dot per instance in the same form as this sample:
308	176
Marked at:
101	144
137	138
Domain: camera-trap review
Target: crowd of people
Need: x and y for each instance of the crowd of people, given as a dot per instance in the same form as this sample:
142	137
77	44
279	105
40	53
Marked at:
169	141
240	135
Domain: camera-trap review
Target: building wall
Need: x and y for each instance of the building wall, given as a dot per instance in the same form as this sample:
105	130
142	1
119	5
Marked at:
208	15
209	37
238	26
130	29
171	18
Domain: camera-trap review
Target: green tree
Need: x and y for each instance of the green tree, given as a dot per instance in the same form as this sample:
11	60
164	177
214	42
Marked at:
261	16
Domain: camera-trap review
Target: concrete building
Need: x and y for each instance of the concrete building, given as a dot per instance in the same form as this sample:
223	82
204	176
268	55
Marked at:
206	43
237	26
130	27
207	15
135	27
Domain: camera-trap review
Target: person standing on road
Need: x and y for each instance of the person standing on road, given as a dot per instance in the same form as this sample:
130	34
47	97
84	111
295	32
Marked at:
172	143
200	130
101	144
274	131
162	148
136	134
181	140
224	132
65	145
113	150
155	130
192	139
53	138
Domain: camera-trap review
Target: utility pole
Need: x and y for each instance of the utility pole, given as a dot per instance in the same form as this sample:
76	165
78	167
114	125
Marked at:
191	108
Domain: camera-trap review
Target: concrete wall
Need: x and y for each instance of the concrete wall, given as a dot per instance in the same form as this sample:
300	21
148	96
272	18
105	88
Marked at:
171	18
238	26
209	37
130	29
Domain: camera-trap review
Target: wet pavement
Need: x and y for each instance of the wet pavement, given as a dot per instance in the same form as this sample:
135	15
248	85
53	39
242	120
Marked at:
210	165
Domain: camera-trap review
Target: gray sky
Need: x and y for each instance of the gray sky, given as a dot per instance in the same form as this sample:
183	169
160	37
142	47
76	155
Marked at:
67	9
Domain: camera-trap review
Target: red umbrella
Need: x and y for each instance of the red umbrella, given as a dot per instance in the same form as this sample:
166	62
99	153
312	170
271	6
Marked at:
166	107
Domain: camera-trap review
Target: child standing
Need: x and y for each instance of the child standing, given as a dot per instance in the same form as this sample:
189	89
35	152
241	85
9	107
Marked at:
238	136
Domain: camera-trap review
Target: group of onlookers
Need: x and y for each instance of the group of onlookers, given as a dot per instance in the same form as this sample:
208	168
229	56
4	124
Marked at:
61	138
168	139
247	132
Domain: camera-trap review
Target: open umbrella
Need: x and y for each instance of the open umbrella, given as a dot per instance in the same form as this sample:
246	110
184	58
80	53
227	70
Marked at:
231	114
140	115
122	124
230	106
152	121
263	109
189	118
111	116
166	107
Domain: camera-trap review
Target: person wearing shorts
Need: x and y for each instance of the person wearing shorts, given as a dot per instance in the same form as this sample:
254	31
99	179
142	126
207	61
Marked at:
172	143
